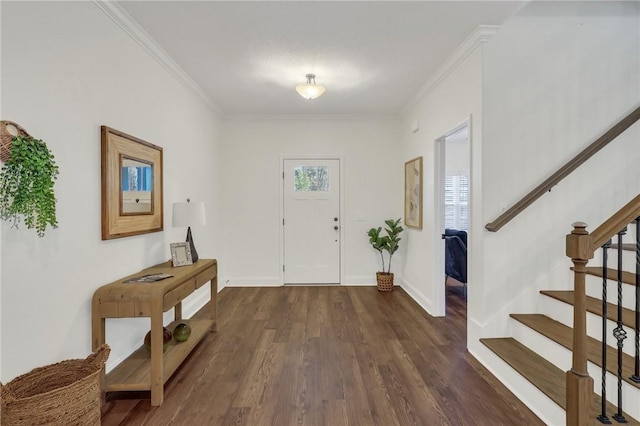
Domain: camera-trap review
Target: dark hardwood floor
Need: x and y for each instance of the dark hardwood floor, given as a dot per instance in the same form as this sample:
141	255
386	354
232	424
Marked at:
329	356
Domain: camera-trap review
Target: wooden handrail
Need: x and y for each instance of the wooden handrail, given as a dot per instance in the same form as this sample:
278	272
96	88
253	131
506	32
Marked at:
564	171
615	223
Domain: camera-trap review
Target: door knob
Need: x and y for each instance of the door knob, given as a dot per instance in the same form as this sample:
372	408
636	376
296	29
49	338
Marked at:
335	219
335	227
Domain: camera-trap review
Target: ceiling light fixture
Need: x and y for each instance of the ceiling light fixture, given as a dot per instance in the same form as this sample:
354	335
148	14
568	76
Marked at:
310	90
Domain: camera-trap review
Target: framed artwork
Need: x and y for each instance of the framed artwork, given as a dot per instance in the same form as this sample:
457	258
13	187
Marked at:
180	254
131	185
413	193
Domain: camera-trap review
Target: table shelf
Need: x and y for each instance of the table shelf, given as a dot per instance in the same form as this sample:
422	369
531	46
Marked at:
134	373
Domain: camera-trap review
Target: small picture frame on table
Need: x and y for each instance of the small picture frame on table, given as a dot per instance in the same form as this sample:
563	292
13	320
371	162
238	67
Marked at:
180	254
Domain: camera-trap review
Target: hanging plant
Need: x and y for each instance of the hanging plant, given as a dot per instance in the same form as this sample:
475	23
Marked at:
26	185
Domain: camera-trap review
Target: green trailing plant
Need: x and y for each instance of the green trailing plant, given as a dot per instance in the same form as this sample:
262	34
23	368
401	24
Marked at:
26	185
389	242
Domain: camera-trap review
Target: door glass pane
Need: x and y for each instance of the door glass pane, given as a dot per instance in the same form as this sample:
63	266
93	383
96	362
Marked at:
311	178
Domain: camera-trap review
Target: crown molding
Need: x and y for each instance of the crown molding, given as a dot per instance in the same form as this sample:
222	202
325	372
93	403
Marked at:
318	117
121	18
482	34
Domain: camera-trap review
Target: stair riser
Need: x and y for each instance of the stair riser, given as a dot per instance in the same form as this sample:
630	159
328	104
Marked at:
562	358
628	259
594	289
563	313
630	394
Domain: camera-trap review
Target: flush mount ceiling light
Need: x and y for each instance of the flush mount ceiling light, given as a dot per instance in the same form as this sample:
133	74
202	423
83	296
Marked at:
310	90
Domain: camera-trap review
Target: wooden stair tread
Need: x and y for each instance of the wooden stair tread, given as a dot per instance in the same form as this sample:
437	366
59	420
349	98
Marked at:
544	375
594	306
625	246
612	274
563	335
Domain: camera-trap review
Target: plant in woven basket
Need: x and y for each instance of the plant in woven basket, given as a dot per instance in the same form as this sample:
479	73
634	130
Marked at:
26	185
389	243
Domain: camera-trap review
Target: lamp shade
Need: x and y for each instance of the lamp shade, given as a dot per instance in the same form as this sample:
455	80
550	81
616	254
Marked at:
310	90
188	214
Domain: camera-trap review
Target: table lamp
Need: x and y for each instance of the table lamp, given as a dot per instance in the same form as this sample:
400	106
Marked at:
189	214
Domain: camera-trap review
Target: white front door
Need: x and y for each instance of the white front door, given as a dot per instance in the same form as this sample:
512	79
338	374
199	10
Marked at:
311	221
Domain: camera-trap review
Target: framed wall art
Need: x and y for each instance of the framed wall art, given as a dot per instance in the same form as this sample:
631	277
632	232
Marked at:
131	185
413	193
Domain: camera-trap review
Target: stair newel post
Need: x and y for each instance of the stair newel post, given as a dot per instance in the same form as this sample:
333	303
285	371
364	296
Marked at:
579	384
636	370
603	393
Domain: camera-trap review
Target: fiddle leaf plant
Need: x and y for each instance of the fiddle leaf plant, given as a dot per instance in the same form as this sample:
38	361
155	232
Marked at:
389	243
26	185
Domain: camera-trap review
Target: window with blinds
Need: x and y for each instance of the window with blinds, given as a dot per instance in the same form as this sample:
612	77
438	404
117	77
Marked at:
456	201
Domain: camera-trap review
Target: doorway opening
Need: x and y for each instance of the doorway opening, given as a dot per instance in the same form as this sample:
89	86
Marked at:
453	189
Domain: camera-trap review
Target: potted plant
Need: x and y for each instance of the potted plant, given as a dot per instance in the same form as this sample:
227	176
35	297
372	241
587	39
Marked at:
390	244
26	184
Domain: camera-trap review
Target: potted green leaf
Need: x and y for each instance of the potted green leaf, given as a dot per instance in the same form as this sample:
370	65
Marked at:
390	244
26	184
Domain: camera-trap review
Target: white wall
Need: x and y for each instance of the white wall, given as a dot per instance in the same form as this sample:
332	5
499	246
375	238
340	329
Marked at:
253	150
555	77
440	110
66	70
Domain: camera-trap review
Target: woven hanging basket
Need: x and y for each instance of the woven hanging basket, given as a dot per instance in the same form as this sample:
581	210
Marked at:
8	130
66	393
385	281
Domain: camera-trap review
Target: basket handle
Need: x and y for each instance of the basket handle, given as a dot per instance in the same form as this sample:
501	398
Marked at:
21	131
100	356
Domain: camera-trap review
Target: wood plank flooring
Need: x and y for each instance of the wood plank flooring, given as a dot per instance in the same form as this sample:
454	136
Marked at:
329	356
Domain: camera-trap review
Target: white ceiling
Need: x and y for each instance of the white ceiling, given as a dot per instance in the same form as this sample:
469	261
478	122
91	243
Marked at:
372	57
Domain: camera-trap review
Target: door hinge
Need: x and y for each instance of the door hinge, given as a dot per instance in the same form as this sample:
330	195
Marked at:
282	175
283	221
282	268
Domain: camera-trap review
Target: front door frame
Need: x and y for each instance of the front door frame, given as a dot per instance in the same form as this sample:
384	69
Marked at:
340	200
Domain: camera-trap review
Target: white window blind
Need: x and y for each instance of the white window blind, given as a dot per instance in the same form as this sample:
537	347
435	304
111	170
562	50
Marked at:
456	201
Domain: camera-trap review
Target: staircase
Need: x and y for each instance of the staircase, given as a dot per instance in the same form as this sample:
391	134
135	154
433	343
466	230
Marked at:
541	346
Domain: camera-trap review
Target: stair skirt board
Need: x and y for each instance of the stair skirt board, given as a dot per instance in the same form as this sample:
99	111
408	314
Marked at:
545	376
541	405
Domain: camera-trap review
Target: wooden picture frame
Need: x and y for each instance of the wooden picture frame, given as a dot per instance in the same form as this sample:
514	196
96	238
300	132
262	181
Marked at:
126	212
180	254
413	193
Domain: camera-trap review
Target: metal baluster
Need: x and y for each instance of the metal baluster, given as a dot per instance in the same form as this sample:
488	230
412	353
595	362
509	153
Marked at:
619	333
636	372
603	412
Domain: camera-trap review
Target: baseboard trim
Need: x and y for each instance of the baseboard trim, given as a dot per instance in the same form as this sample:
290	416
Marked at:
417	296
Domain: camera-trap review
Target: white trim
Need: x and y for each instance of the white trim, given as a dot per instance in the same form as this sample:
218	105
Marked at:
349	117
366	280
118	15
417	296
439	247
341	201
481	34
252	282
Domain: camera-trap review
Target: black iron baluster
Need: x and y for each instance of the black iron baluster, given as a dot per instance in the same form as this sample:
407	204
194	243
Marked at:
603	412
636	371
619	333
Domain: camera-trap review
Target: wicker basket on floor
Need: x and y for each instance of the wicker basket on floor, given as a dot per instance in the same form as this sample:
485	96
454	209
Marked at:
66	393
385	281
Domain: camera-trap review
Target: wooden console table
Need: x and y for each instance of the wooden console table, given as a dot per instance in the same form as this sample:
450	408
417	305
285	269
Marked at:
141	370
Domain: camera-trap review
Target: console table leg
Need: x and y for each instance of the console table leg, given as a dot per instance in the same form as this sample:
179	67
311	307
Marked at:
157	384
